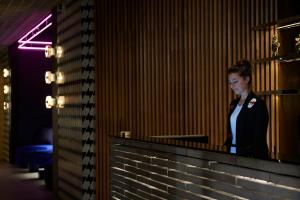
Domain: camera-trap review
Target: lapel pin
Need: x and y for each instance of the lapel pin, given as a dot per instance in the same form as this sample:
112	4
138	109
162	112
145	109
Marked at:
251	103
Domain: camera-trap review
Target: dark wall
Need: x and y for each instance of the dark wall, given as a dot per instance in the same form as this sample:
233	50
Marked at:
288	8
29	114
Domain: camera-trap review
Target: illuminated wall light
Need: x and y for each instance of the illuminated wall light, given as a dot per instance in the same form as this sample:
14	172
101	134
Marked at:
59	102
59	52
6	105
50	51
6	89
50	102
6	73
58	77
49	77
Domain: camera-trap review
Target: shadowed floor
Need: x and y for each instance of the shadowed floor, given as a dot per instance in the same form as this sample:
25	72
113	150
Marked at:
17	184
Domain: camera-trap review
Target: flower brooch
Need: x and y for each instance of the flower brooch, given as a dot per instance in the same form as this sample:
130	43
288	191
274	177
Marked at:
251	103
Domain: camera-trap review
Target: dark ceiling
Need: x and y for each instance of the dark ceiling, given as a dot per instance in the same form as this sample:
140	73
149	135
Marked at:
17	17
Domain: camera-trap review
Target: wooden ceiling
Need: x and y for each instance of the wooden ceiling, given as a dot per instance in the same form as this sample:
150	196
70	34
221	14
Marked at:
18	16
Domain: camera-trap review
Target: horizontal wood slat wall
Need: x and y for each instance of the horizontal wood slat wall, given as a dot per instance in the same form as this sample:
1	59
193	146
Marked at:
69	119
4	114
75	123
162	68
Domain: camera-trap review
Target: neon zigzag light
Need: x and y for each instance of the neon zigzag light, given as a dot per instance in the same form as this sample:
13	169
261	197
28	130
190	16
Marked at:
27	38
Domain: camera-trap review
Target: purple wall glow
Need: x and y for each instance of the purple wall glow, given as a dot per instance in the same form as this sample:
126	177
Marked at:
29	114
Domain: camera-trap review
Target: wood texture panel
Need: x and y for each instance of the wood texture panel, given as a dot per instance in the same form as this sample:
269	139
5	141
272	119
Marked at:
162	69
4	114
68	119
75	122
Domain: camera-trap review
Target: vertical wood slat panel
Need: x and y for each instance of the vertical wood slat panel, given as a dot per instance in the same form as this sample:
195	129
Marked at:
272	128
138	69
212	74
265	75
276	98
205	21
220	76
162	67
195	73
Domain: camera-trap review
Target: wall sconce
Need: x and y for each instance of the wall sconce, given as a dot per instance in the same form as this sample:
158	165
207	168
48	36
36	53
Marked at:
6	89
6	105
59	51
50	102
50	51
59	102
58	77
6	73
49	77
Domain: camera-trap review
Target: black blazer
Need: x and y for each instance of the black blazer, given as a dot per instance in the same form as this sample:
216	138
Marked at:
251	128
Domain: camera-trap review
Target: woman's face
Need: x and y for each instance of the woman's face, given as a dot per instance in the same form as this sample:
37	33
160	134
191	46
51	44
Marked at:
238	83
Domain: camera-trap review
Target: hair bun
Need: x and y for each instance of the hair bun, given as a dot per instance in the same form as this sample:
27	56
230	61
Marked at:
245	65
243	68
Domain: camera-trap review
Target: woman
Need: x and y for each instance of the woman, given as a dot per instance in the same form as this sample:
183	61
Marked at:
248	115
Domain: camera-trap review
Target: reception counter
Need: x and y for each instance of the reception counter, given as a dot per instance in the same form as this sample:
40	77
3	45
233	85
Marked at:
144	170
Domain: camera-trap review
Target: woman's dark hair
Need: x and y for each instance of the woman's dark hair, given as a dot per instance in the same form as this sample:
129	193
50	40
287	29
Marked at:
243	68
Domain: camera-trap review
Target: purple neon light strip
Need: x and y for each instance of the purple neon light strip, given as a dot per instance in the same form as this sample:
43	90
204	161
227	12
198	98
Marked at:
36	34
35	28
35	42
24	41
33	48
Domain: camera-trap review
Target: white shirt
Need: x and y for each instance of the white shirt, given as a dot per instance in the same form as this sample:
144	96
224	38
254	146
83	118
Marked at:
233	119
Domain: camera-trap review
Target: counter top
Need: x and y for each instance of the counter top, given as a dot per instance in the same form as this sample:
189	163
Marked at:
195	138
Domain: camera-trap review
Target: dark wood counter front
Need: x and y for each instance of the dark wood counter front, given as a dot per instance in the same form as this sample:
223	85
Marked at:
144	170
